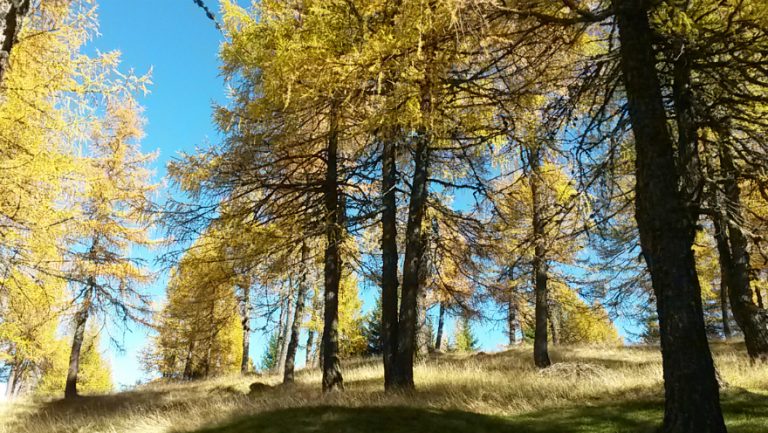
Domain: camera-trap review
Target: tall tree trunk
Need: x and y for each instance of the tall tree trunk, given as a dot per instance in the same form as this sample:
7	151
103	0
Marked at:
287	328
280	332
724	253
81	318
245	320
667	228
422	326
311	351
332	379
512	318
211	336
309	347
188	361
318	355
752	319
540	277
389	283
407	326
11	29
440	325
554	322
298	316
423	339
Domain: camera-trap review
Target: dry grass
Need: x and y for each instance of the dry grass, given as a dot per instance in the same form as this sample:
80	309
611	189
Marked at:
500	385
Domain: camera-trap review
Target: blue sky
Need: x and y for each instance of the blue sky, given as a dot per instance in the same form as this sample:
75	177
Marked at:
175	40
179	44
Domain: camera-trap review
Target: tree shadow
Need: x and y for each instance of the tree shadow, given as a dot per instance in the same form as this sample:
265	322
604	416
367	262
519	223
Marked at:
364	419
746	412
636	418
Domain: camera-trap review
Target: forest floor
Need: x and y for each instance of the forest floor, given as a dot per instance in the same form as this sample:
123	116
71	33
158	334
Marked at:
588	390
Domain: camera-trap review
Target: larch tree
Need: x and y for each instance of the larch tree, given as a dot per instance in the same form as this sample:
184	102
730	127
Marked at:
113	218
44	118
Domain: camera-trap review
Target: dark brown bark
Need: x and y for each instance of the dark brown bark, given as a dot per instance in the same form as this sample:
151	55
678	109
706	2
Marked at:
689	167
389	282
667	227
414	250
539	262
440	325
723	250
11	29
332	379
245	321
81	318
752	319
298	316
422	326
408	324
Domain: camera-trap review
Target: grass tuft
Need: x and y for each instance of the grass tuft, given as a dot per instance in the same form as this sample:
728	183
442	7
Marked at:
587	390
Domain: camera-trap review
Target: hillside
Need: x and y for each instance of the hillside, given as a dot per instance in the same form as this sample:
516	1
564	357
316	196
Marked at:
595	390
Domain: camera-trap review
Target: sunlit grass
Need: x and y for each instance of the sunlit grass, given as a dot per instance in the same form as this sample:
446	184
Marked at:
588	390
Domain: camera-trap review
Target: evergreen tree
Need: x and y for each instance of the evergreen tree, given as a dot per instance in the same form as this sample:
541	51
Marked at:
372	330
465	340
271	356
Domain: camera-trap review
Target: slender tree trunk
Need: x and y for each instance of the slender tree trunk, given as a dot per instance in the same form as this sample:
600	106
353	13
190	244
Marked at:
245	320
724	253
554	323
724	308
511	318
318	355
310	347
422	326
540	277
332	379
440	325
759	298
280	332
311	337
298	316
407	327
211	336
11	29
667	228
188	361
422	336
81	318
752	319
389	282
287	328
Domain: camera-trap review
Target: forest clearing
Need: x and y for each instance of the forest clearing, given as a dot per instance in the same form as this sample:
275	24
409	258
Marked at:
384	215
592	390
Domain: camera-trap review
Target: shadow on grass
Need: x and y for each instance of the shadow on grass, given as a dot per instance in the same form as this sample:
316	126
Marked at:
745	413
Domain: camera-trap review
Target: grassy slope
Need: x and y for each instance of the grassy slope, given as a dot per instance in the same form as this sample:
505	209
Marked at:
592	390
